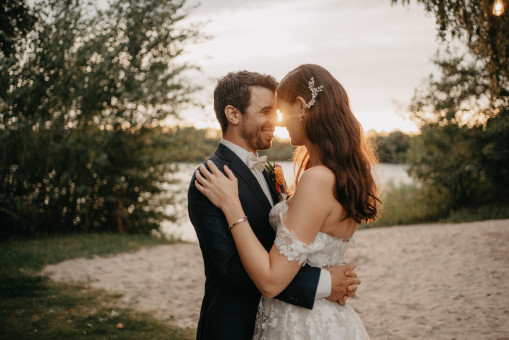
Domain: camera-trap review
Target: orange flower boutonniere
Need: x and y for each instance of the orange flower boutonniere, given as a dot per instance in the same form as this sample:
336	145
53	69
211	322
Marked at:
278	178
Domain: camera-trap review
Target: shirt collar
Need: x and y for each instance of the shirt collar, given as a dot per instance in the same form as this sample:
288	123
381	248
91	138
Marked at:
242	153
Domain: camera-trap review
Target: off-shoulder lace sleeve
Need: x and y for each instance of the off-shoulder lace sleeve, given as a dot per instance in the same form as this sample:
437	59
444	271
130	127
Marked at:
289	246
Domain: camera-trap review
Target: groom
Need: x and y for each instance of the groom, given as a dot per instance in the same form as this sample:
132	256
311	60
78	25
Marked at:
245	106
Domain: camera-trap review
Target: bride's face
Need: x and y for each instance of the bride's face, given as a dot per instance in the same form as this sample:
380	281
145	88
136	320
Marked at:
291	119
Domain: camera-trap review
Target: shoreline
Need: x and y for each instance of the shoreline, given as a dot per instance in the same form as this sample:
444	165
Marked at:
437	281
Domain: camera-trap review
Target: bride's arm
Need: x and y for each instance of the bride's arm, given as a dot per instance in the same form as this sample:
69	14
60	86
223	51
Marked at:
271	272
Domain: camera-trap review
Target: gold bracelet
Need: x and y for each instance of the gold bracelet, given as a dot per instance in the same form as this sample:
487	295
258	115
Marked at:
237	222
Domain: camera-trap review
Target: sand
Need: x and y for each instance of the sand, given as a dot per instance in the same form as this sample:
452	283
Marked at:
437	281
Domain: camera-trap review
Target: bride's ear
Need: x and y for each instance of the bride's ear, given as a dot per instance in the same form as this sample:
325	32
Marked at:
232	114
301	105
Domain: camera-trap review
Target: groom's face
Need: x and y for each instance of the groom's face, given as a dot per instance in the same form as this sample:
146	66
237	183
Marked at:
259	121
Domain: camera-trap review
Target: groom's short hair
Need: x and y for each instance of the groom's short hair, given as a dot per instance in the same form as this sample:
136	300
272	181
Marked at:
235	89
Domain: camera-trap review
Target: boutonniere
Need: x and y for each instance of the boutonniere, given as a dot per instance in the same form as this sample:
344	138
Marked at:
278	178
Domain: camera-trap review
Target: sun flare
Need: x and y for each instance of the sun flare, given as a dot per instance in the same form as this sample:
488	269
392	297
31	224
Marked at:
281	132
279	116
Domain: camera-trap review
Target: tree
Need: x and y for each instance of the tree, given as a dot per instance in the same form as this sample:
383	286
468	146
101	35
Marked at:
79	106
188	144
392	148
15	20
472	24
463	114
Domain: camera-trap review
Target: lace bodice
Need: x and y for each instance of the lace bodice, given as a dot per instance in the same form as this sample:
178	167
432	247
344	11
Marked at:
325	251
278	320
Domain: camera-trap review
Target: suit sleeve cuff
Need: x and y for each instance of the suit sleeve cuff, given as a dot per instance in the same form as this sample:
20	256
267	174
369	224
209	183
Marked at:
324	285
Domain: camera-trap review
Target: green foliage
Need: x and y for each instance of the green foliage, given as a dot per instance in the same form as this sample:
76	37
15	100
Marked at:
447	159
32	254
412	204
49	311
409	204
188	144
494	155
79	109
15	20
469	162
460	96
462	153
472	24
491	211
92	180
392	148
34	307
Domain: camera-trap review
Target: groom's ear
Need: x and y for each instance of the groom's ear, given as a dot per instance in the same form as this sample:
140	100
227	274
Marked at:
232	114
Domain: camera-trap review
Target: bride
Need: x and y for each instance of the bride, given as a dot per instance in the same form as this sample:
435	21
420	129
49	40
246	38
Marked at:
334	192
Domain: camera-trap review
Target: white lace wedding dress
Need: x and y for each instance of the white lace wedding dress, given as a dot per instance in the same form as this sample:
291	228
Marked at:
278	320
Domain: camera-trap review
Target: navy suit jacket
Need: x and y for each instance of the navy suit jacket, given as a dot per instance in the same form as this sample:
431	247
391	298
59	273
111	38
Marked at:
231	299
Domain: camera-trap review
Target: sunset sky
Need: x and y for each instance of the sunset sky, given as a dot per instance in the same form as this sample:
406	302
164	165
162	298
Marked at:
380	53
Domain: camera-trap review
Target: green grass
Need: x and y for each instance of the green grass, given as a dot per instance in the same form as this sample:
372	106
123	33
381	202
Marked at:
408	204
34	254
481	213
32	307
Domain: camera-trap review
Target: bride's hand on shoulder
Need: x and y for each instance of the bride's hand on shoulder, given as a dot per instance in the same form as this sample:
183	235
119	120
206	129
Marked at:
221	190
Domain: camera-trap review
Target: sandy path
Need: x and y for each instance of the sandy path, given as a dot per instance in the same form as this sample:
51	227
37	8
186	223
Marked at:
165	280
440	281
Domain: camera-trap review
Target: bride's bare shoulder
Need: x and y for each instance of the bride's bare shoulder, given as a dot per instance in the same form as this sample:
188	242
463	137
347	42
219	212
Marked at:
314	194
318	175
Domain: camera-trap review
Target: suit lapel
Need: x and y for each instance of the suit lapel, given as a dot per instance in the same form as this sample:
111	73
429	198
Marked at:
243	172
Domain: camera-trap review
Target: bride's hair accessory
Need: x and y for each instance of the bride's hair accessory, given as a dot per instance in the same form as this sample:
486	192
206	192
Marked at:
314	92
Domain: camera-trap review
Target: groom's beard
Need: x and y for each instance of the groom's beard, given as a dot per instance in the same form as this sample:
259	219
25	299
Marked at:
254	138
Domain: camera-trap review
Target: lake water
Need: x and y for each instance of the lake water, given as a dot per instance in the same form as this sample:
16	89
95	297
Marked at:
385	174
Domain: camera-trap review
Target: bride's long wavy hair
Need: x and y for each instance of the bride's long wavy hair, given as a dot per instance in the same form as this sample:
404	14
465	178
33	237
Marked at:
339	138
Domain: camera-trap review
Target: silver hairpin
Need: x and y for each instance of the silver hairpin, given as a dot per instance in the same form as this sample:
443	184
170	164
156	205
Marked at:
314	92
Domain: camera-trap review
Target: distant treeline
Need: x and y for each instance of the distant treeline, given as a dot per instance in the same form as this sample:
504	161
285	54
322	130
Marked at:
392	147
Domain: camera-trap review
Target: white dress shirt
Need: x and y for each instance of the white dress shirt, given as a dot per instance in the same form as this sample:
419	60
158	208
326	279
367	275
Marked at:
324	282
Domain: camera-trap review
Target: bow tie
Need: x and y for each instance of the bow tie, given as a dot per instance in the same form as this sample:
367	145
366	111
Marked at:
255	162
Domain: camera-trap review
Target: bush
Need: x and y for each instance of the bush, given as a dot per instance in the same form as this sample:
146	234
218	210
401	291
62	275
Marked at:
80	105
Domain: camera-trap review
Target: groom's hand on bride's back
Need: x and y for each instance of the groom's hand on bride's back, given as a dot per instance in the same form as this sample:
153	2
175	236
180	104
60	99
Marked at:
344	283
